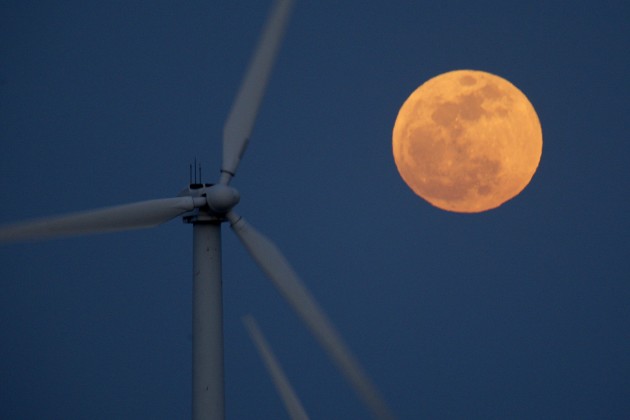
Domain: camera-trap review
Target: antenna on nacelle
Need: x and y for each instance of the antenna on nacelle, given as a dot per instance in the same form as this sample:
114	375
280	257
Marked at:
194	170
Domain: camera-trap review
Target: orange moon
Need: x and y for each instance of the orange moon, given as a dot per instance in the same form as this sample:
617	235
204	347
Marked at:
467	141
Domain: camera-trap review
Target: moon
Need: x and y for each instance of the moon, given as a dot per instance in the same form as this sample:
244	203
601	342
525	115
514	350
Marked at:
467	141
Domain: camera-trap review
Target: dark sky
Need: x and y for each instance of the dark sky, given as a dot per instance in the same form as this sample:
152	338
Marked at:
520	312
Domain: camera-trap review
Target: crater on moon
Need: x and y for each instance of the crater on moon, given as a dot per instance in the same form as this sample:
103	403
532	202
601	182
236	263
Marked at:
467	141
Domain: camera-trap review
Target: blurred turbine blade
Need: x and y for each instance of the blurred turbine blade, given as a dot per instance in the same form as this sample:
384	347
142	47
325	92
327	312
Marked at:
139	215
278	270
240	122
289	398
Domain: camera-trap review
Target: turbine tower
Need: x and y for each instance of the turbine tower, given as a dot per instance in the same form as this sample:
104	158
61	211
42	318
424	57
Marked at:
207	207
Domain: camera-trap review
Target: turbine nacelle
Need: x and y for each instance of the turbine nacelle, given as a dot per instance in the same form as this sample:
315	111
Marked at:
211	202
215	200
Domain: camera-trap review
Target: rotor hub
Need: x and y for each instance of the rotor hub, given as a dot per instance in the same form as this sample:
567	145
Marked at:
221	198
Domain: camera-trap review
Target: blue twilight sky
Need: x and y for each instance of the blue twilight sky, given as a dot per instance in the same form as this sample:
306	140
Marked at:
520	312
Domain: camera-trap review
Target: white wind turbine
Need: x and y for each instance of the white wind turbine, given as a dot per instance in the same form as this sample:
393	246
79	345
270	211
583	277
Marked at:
206	207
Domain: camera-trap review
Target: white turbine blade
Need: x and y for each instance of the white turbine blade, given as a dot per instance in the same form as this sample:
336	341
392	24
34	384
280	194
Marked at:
289	398
240	122
139	215
278	270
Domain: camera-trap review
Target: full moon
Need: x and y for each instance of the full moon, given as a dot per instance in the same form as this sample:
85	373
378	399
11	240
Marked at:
467	141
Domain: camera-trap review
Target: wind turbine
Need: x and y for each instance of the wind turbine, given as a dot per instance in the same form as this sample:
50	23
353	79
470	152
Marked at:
207	207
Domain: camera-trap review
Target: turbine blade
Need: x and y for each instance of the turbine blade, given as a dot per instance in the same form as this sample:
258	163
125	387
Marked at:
240	122
287	394
278	270
139	215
